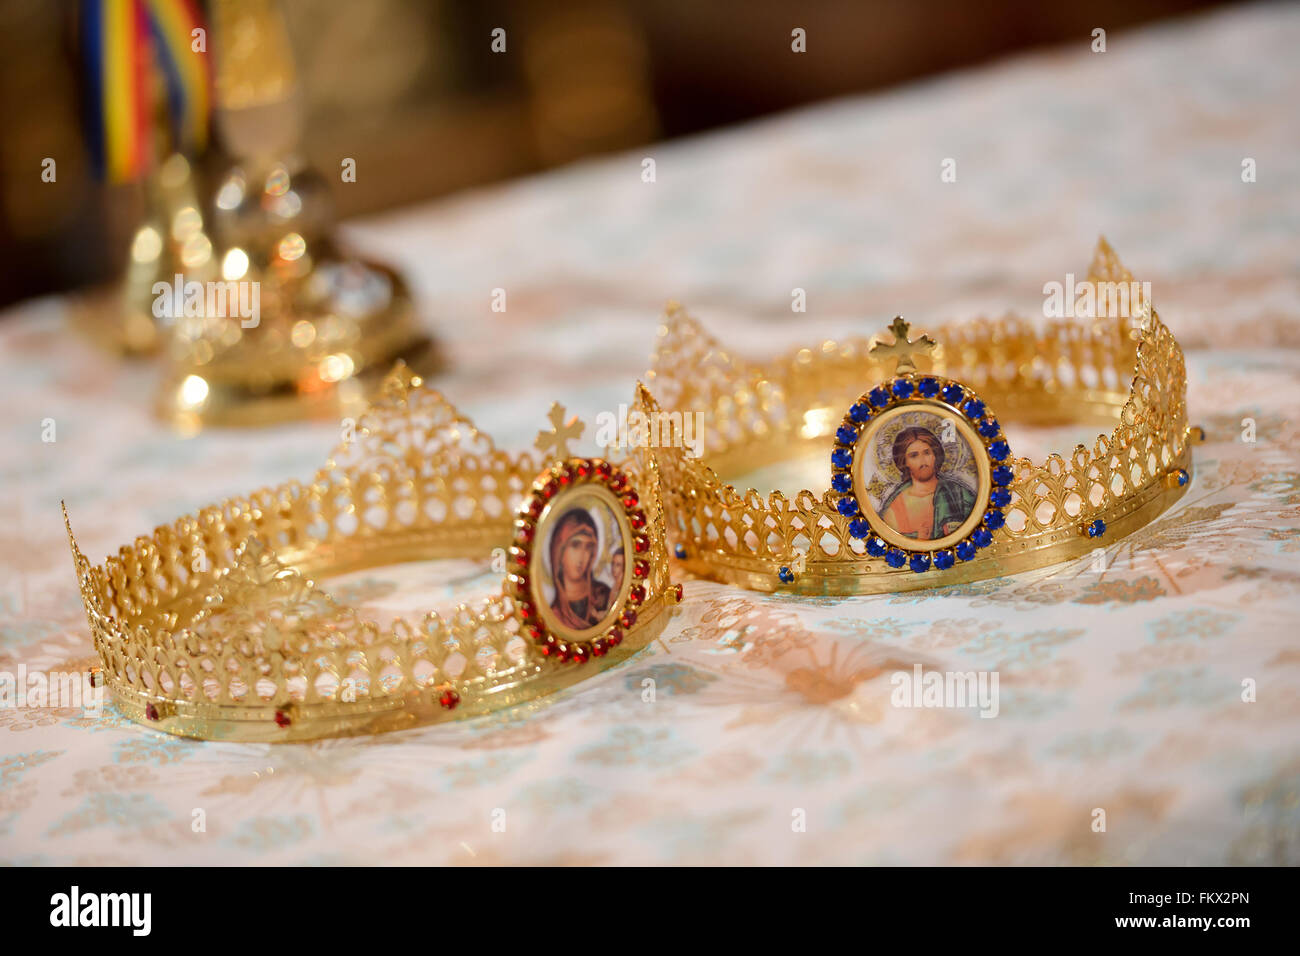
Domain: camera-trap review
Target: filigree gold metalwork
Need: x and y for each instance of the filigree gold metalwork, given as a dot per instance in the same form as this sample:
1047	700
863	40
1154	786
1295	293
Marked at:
214	626
1126	374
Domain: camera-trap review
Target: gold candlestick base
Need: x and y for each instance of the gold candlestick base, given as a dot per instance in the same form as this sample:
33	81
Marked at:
320	350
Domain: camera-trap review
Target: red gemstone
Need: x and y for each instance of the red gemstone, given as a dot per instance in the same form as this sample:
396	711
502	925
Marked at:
521	583
604	469
525	534
282	719
627	618
617	482
615	637
564	476
548	490
561	652
678	588
641	544
449	699
151	712
637	594
598	647
526	611
637	520
521	556
536	505
582	469
546	650
641	569
631	499
581	654
535	633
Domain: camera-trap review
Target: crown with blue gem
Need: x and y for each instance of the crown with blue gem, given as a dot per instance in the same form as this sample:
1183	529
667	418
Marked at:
923	487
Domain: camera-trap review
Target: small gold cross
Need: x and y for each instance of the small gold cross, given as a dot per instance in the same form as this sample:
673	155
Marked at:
902	347
561	432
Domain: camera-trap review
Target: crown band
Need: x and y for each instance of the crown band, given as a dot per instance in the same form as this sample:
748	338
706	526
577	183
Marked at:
965	508
212	627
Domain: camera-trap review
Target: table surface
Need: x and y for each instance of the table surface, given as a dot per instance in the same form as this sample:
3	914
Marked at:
1120	690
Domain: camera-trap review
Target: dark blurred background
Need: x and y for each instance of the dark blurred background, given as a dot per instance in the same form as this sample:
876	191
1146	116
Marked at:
412	90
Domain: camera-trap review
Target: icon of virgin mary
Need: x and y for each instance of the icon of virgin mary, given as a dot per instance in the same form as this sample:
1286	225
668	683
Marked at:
581	601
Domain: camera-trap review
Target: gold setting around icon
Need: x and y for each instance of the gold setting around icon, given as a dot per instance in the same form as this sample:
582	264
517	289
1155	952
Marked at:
967	434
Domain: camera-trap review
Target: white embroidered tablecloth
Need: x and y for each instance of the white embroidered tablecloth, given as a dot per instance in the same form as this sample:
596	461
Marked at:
771	737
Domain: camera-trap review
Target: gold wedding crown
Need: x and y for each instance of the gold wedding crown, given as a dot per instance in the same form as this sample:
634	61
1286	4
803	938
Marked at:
923	487
214	626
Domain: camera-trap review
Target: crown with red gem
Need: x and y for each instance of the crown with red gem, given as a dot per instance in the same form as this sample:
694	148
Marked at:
215	626
923	487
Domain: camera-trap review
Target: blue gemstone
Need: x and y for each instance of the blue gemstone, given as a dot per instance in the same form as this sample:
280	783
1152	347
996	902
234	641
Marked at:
785	575
943	560
876	547
973	409
846	435
965	550
928	387
848	506
860	412
859	528
1182	476
1097	529
841	458
878	397
981	537
989	428
895	558
999	497
1002	475
952	393
680	551
919	563
994	520
842	481
999	450
902	388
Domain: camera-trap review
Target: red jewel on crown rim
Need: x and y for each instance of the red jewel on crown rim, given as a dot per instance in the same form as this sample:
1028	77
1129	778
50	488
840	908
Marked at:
449	699
282	719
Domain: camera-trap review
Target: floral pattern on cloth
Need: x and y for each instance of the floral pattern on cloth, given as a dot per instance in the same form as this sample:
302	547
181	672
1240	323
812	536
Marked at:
762	729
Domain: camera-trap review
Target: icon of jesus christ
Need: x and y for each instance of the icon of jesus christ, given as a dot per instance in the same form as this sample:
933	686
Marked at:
925	505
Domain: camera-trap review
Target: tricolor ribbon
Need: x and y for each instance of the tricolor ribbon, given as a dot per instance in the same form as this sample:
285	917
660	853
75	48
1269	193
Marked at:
120	41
